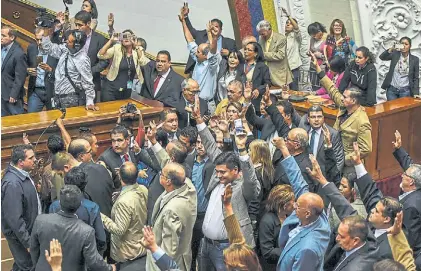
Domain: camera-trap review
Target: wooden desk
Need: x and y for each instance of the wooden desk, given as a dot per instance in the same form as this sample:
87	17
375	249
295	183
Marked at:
402	114
100	122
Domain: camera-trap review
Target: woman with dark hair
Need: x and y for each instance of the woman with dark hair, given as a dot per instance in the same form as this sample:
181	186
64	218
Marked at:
256	72
127	58
293	35
335	73
230	69
318	34
402	80
338	43
362	73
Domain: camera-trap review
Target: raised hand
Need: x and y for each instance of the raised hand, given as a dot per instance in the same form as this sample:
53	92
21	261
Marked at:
397	225
151	134
185	9
25	139
226	197
148	239
316	172
247	93
196	110
356	155
55	257
285	11
240	140
398	140
327	137
279	143
60	17
223	123
110	20
266	97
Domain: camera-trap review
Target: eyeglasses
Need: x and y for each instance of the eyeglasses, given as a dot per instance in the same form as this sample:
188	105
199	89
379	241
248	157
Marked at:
289	139
192	91
405	174
88	152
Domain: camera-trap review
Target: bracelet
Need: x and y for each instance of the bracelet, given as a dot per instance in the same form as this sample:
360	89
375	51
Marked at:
241	150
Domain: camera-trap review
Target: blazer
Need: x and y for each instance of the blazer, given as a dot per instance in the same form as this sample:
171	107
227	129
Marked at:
414	70
412	219
116	54
402	253
365	79
13	73
19	206
336	144
244	189
112	160
200	36
97	65
357	128
269	228
128	217
77	242
165	262
403	158
306	250
100	186
32	53
170	92
277	60
173	219
184	117
261	78
365	257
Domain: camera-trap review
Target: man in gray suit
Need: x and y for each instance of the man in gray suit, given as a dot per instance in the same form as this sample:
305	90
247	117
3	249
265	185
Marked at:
229	169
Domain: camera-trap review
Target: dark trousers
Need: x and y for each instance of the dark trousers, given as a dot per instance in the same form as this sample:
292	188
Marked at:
20	254
108	94
418	261
211	255
296	75
138	264
196	237
8	109
68	100
393	93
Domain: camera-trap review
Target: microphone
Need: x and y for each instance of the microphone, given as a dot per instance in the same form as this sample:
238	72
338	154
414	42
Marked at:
63	112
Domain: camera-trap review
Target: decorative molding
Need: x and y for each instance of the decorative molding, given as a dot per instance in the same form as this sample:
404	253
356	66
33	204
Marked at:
390	20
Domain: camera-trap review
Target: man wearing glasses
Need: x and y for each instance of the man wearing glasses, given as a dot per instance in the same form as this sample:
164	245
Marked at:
185	106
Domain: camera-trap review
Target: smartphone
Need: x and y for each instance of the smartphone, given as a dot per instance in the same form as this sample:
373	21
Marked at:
399	46
126	36
238	125
39	60
131	141
117	35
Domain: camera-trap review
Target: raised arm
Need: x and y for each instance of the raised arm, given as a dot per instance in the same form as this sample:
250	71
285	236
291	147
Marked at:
400	154
235	235
387	54
49	48
364	141
107	51
187	34
276	117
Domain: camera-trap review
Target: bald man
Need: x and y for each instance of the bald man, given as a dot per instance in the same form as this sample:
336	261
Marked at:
128	217
304	235
173	217
297	144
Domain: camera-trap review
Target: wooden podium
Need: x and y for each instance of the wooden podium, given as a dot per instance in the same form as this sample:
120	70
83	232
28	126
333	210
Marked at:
100	122
402	114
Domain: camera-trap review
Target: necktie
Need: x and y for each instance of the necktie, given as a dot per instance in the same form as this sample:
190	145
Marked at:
313	133
156	83
126	157
3	54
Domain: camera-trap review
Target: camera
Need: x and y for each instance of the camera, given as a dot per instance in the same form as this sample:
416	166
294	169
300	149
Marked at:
131	108
68	2
44	19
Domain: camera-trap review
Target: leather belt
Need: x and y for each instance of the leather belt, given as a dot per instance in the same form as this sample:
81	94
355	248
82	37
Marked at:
216	242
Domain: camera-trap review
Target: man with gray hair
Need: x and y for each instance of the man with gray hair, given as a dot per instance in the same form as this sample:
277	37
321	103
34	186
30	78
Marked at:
274	47
235	93
207	62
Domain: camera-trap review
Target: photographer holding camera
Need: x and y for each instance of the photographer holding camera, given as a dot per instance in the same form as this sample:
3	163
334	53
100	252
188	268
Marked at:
73	75
127	57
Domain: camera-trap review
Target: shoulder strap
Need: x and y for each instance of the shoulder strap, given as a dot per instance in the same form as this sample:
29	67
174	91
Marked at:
66	73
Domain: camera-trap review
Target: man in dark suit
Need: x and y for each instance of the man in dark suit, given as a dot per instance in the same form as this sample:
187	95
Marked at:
76	237
224	45
120	152
20	205
186	102
13	73
41	80
94	43
313	123
161	83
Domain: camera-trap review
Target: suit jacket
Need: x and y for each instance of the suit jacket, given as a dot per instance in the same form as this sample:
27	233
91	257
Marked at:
306	250
77	242
403	158
414	70
412	219
365	257
32	53
200	36
184	117
244	189
173	219
170	92
277	59
402	253
97	65
261	78
112	160
264	125
100	186
165	262
357	128
336	144
13	73
269	228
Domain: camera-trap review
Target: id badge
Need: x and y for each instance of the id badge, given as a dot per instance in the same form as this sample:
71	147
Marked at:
129	84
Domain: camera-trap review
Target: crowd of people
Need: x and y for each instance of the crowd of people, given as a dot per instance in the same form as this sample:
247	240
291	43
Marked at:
231	177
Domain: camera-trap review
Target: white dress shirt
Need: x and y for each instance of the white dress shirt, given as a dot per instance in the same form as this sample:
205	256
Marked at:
213	224
161	81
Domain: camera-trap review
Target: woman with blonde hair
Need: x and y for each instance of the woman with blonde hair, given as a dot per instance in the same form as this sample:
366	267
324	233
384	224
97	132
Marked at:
127	57
279	205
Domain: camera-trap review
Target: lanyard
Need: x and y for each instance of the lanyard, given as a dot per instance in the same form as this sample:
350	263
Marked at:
129	64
